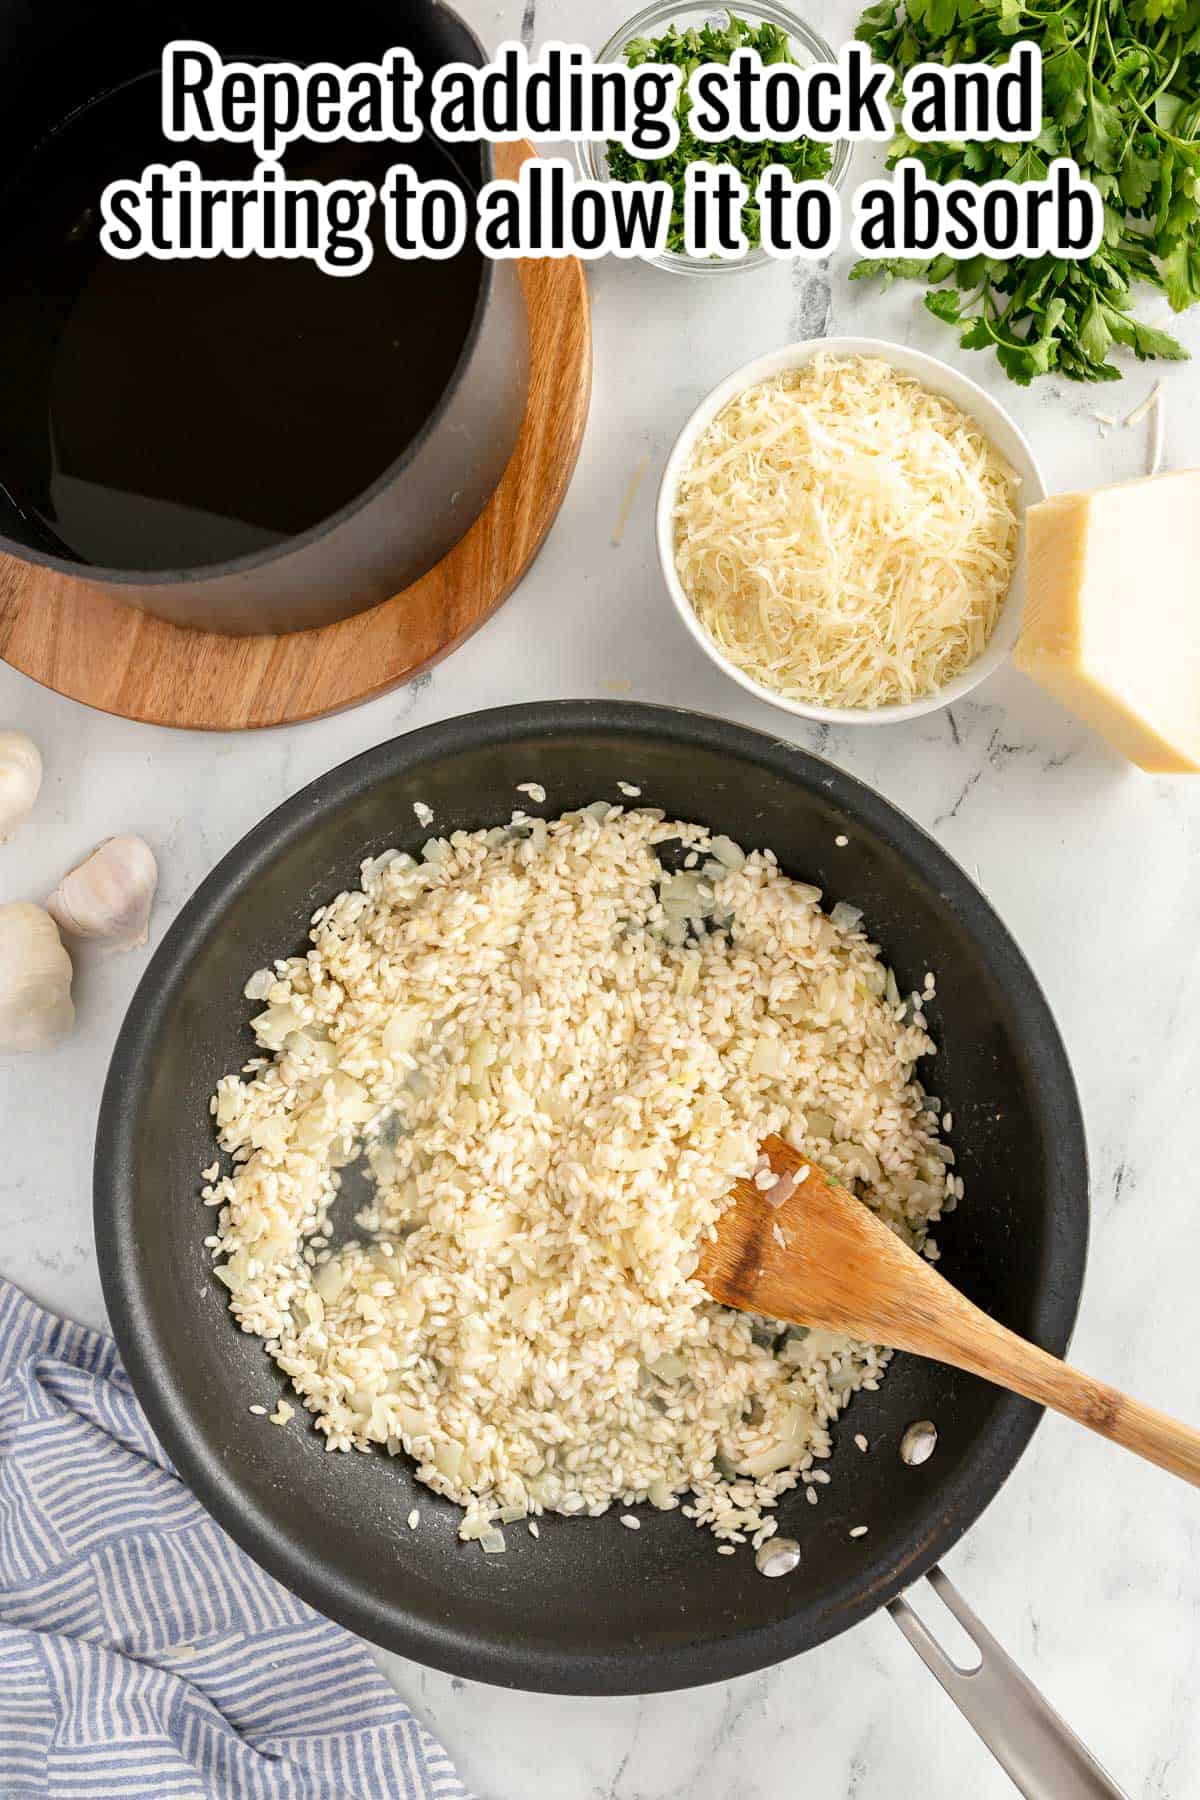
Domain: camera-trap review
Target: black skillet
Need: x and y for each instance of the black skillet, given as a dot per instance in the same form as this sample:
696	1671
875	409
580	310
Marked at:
589	1608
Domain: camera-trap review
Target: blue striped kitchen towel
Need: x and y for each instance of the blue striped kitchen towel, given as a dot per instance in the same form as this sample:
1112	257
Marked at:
142	1655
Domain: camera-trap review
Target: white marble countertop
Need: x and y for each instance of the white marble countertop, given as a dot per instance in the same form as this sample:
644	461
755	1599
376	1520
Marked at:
1087	1566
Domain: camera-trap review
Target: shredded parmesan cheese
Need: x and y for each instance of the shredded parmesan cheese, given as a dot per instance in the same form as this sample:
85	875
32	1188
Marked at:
846	537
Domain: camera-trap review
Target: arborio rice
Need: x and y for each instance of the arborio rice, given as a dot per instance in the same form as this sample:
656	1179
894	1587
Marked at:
559	1056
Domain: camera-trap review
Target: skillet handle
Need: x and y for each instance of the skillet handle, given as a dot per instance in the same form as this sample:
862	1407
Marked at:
1034	1746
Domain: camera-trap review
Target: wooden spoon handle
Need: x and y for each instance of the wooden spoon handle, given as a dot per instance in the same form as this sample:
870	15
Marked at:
913	1308
1027	1370
820	1257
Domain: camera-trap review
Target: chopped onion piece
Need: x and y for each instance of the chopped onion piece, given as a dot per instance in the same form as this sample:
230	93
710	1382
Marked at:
782	1189
783	1454
727	852
686	896
768	1057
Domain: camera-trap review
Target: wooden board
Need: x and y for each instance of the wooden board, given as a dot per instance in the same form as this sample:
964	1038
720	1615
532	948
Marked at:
88	645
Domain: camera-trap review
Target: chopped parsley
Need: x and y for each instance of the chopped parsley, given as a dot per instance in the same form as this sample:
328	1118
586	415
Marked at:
1120	84
688	50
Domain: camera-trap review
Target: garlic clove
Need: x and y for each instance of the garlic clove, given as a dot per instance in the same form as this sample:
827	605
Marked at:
20	780
36	1009
109	894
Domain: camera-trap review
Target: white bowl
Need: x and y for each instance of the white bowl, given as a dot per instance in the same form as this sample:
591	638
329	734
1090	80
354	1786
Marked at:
939	378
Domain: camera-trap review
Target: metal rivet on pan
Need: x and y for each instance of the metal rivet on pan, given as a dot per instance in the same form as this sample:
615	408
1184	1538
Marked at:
918	1443
778	1556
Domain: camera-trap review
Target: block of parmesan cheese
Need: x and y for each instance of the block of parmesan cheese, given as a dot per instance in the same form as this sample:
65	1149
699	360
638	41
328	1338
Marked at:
1112	615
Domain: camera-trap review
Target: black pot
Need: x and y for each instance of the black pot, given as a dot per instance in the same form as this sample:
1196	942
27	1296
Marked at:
55	59
589	1607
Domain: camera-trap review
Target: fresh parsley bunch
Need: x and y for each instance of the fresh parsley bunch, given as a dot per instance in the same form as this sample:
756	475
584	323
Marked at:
688	50
1121	96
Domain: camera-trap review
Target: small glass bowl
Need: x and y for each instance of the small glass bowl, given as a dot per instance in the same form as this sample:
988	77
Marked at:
808	47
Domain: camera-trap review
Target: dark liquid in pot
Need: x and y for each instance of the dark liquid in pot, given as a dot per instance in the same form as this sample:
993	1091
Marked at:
162	415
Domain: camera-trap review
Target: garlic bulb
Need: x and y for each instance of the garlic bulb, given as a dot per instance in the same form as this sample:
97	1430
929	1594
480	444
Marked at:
35	980
109	894
20	780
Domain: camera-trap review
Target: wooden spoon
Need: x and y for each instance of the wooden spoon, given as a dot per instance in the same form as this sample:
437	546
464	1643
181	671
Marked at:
840	1267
